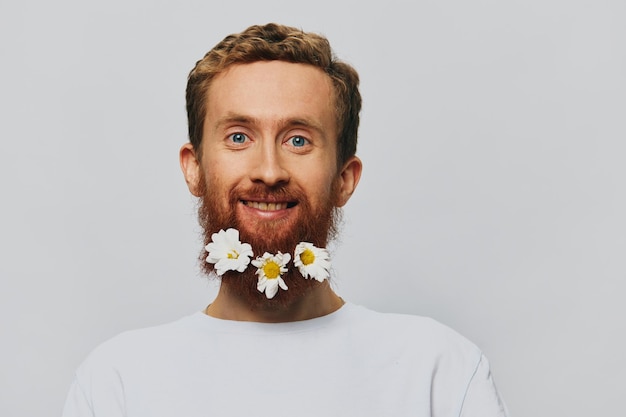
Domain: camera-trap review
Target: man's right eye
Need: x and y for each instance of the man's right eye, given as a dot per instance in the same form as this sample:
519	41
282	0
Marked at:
238	138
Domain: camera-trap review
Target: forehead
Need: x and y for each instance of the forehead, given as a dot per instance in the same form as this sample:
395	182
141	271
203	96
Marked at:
271	91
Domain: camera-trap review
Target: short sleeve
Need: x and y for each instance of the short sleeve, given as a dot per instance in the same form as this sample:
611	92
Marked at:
76	403
482	398
95	394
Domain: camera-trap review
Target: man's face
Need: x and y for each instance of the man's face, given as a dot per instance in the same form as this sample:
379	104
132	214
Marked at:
268	163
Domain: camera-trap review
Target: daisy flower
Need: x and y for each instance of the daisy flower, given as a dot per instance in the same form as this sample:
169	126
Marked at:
227	252
312	261
270	268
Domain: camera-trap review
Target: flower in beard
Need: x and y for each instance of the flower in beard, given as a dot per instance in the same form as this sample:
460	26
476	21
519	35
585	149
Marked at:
312	261
270	268
227	252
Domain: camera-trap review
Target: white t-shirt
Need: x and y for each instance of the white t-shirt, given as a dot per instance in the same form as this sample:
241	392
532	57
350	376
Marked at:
353	362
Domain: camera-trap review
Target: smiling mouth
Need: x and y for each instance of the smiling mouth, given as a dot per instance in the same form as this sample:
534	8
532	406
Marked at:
263	206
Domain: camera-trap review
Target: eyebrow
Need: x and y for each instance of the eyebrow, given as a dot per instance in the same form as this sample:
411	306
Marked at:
284	122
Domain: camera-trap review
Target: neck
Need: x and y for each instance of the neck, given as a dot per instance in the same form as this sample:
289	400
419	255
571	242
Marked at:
319	301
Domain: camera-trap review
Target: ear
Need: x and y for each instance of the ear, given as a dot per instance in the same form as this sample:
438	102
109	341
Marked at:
348	179
190	165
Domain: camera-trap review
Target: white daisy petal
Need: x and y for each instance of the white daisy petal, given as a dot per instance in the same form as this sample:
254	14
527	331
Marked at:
271	291
227	252
261	284
269	270
312	261
232	235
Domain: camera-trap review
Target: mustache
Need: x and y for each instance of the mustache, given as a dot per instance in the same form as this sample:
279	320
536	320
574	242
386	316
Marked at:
281	192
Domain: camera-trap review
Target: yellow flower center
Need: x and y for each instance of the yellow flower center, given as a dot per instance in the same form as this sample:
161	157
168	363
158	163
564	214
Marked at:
233	255
307	257
271	270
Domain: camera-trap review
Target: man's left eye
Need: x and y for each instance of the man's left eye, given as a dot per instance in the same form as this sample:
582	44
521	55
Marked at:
238	138
298	141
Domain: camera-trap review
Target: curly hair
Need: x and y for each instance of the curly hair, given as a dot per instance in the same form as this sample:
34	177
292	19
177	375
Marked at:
283	43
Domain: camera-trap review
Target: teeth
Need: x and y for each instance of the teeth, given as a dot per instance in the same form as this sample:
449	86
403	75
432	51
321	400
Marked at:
266	206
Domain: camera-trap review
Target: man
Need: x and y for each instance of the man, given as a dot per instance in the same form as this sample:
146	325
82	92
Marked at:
273	120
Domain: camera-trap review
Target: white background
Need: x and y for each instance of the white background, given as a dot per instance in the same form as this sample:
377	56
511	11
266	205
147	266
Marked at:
492	197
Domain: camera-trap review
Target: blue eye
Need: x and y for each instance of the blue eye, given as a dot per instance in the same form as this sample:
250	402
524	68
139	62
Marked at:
298	141
238	138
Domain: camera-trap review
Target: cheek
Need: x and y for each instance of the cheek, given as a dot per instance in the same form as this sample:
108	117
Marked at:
215	184
218	184
218	172
322	186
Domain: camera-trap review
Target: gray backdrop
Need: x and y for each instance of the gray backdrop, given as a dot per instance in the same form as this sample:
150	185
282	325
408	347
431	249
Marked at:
492	197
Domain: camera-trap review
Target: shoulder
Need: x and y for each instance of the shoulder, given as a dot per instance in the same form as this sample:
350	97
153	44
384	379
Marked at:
434	355
416	335
133	346
411	328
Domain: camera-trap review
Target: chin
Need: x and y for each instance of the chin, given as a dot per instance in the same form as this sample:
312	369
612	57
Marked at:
243	287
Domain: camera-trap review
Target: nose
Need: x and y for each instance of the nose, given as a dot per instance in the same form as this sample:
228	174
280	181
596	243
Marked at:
269	168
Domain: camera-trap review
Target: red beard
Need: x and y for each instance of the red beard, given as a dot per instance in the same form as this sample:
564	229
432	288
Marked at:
315	225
